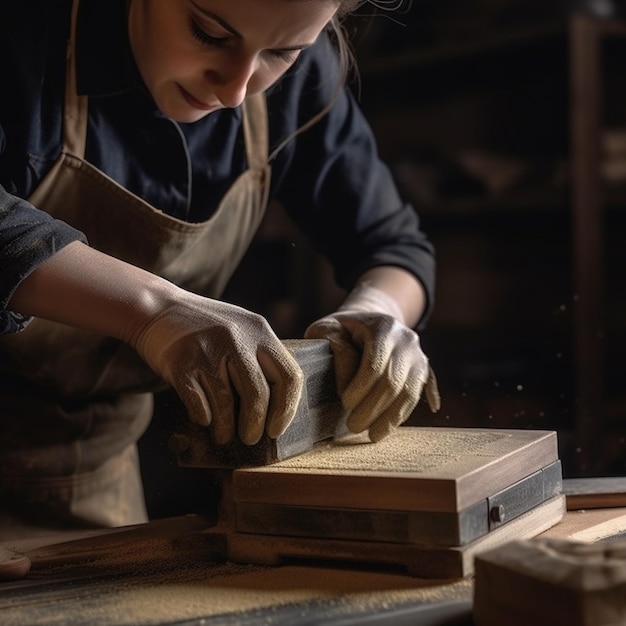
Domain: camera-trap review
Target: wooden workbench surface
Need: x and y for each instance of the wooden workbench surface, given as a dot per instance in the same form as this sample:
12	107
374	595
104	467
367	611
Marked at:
152	580
159	578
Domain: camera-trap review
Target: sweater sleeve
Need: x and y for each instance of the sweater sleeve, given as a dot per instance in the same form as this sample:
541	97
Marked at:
28	237
332	182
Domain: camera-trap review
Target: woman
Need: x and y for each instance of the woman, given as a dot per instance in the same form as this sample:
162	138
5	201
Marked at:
159	129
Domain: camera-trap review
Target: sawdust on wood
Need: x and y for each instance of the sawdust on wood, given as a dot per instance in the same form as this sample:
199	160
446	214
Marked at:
243	588
409	450
149	584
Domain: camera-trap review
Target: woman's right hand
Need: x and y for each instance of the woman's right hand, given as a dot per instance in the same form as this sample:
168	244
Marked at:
229	368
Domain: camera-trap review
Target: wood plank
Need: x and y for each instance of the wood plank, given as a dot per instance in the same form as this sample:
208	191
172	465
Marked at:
425	528
441	563
399	527
595	493
117	545
181	588
414	469
592	525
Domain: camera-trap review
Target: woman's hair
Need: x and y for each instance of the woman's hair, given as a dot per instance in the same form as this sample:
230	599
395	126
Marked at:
347	62
347	8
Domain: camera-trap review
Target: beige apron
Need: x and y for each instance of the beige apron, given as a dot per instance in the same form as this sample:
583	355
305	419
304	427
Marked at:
74	403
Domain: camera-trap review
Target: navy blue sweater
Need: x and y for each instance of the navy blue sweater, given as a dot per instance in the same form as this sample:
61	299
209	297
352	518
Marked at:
329	179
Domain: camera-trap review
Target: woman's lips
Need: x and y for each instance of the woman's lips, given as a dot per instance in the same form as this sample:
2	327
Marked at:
197	104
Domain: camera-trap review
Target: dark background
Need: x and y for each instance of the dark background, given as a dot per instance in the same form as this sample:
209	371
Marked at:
470	101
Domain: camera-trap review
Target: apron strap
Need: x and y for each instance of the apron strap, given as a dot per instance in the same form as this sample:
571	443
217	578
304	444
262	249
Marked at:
75	111
255	130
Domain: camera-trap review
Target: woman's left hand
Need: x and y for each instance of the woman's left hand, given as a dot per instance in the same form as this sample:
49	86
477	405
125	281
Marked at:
380	369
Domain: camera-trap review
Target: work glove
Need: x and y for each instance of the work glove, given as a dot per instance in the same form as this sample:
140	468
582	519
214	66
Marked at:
226	364
228	367
380	367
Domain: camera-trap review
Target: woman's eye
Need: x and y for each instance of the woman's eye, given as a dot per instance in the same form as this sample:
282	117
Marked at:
204	38
287	56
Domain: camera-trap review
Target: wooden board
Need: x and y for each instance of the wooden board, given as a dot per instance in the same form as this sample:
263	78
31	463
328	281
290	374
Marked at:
441	563
168	576
595	493
407	527
414	469
115	544
590	526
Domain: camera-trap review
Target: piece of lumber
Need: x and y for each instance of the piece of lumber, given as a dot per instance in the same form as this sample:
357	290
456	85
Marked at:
423	562
551	581
414	469
119	545
426	528
595	493
590	525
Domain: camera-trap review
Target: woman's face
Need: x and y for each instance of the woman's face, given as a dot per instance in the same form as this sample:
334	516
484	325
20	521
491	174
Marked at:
197	56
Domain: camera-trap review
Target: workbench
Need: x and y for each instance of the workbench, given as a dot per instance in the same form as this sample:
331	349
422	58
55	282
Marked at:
164	573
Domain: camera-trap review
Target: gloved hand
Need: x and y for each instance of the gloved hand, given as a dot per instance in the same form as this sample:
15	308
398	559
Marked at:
226	364
379	366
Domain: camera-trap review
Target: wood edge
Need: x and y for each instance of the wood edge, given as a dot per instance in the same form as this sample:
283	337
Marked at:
447	494
457	562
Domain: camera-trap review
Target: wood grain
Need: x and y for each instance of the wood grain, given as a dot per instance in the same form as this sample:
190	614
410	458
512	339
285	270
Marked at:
426	528
595	493
414	469
442	563
592	525
116	544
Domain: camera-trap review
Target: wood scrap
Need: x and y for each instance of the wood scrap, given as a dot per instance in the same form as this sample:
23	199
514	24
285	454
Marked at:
595	493
551	581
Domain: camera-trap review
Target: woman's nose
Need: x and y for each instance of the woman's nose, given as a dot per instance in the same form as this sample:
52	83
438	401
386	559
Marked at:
230	83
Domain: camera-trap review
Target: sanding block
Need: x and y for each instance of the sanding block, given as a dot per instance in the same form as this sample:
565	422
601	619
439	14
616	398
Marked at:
319	417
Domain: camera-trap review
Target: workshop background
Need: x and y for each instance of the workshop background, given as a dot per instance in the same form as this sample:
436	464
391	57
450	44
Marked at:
504	123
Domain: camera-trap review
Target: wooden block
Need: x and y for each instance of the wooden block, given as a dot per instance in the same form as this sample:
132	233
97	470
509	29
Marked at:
551	581
595	493
442	563
426	528
414	469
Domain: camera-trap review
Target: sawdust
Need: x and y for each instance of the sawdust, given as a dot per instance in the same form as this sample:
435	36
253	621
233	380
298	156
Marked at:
408	450
156	581
196	593
241	588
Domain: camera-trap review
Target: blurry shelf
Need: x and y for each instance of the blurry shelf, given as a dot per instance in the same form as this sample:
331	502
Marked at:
508	39
493	43
522	202
549	203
